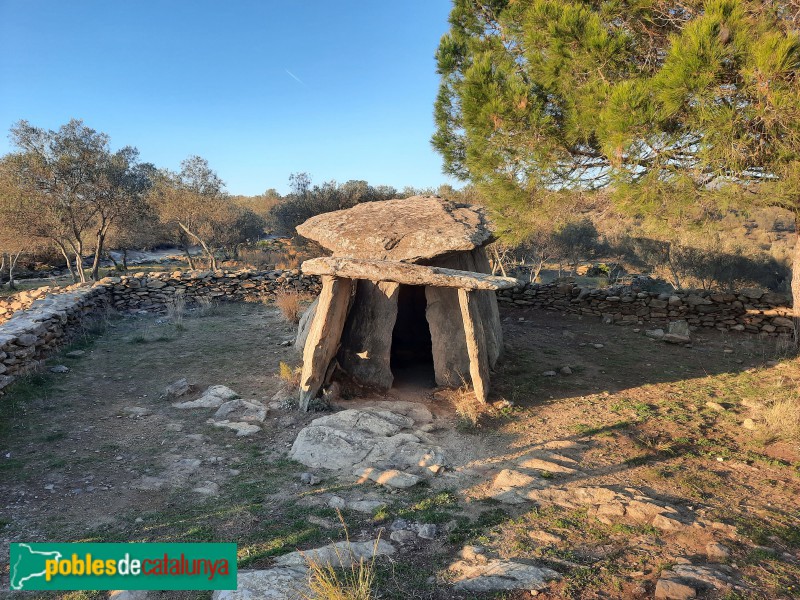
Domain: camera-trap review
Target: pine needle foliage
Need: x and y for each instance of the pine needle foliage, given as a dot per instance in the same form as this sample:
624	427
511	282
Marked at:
541	96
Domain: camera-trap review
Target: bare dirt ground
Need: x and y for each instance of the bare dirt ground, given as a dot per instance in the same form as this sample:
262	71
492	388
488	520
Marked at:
75	465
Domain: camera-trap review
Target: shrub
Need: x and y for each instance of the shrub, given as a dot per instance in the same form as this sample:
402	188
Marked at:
176	308
782	419
290	304
353	580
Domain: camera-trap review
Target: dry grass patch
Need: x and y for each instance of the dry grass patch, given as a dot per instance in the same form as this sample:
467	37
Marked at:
354	580
290	303
782	419
468	409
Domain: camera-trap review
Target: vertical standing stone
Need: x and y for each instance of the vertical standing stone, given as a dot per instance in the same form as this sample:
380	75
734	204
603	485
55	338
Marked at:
476	343
490	314
367	339
450	356
324	336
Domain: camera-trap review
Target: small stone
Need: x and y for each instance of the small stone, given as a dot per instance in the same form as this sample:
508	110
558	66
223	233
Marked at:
669	589
138	520
473	553
285	343
565	371
727	351
75	353
655	334
49	487
399	524
207	488
366	506
598	346
715	406
749	424
403	536
717	552
177	389
136	411
337	502
549	374
59	369
310	479
427	531
666	523
545	537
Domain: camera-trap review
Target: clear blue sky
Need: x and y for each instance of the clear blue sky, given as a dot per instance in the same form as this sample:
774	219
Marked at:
262	89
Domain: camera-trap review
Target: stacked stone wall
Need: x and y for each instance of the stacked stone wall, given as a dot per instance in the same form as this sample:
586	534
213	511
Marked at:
31	334
748	310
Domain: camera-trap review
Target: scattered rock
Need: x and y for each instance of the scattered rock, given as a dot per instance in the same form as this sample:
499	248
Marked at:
403	537
337	502
656	334
213	397
670	589
341	554
59	369
679	328
177	389
241	428
545	537
399	524
369	437
137	411
549	374
473	554
75	353
715	406
129	595
207	488
599	346
717	552
495	575
392	478
366	506
749	424
279	583
241	410
565	371
310	479
427	531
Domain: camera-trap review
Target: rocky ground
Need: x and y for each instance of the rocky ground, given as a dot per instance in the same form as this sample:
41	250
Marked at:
611	464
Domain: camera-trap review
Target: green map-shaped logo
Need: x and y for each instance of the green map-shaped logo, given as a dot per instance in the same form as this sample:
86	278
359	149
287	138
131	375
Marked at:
28	564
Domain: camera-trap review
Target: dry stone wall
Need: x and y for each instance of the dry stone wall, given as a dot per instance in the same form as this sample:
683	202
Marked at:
150	291
30	335
20	301
749	310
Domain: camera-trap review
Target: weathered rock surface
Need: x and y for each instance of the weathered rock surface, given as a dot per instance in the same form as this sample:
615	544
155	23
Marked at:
288	579
241	410
213	397
177	389
407	229
368	437
367	337
391	478
495	575
338	555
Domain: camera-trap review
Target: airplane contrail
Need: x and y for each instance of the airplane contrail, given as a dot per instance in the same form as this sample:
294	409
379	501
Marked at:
293	76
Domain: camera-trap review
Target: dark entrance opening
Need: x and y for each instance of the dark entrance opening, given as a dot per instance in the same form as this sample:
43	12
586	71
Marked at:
412	351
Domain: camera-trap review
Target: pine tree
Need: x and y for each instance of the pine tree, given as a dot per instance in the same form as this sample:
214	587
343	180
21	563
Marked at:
670	105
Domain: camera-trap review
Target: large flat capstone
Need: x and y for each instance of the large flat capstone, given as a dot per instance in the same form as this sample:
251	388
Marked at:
409	229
